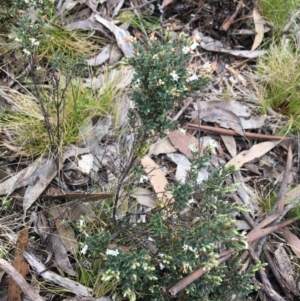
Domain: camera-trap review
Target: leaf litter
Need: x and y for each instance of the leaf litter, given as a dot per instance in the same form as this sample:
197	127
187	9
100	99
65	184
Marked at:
222	113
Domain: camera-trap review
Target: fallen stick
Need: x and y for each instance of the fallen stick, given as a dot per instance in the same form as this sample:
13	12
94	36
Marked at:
222	131
20	281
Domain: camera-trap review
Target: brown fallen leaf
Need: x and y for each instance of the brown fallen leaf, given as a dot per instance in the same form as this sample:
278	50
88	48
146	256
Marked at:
224	118
41	178
236	107
162	146
182	141
286	269
292	239
61	255
256	151
144	196
157	178
166	3
67	236
20	264
73	212
230	144
119	33
259	29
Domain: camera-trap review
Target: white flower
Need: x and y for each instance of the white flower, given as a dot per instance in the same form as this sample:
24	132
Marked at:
193	148
18	40
137	83
143	179
160	82
183	131
150	238
193	77
191	201
194	45
81	223
131	104
112	252
84	249
207	65
174	75
161	266
192	250
186	49
212	144
34	42
27	52
185	247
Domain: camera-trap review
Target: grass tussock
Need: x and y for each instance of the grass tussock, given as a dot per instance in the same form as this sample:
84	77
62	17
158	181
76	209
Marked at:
277	11
278	75
78	107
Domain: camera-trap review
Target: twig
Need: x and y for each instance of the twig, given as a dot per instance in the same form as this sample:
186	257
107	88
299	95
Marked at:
226	24
269	291
183	283
279	204
185	106
71	285
20	281
276	273
266	286
233	133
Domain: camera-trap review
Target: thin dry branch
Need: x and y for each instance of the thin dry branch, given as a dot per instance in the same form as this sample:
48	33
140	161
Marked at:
21	282
183	283
266	287
222	131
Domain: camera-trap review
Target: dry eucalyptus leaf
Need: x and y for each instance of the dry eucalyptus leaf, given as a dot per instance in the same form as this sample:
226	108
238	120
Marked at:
292	239
87	24
21	179
20	264
120	35
253	122
102	57
259	29
285	268
67	5
61	255
162	146
256	151
230	144
144	197
156	177
72	212
224	118
234	106
183	165
166	3
42	177
182	141
67	236
210	44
